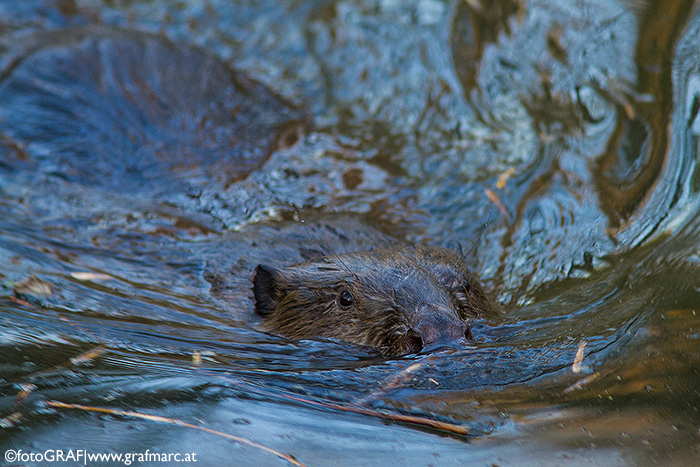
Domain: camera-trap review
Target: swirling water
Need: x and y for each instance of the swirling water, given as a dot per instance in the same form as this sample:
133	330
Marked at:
137	145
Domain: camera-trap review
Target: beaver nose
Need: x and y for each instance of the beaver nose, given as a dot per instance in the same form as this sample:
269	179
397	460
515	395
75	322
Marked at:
436	330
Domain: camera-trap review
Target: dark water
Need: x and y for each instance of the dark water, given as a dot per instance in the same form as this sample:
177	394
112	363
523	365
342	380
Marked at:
166	148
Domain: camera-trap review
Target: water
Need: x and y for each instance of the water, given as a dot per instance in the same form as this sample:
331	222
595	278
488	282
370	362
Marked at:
137	147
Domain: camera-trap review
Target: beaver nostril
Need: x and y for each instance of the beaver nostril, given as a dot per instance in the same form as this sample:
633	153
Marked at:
413	341
468	334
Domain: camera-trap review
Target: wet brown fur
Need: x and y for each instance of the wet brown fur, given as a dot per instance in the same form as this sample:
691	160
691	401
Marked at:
403	298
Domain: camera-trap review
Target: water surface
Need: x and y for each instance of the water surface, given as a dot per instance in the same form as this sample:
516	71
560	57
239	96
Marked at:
167	148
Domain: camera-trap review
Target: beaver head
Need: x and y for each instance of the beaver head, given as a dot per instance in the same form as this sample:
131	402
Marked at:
400	299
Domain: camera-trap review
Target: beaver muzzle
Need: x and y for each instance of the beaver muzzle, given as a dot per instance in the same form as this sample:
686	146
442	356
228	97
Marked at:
434	330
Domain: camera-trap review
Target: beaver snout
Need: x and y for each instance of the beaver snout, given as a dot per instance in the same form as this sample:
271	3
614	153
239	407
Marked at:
437	330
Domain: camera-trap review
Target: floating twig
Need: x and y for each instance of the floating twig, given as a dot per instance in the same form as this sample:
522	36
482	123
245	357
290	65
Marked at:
173	421
11	420
397	380
354	408
81	359
91	276
89	356
420	421
577	366
19	301
34	286
196	358
503	178
582	382
24	390
493	197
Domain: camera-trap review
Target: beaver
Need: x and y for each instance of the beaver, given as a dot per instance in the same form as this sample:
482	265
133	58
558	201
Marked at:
124	124
400	299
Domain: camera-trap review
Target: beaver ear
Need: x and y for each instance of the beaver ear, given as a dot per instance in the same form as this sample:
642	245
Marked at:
266	289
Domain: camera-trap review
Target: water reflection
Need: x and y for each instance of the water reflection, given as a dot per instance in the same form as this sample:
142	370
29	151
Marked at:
418	113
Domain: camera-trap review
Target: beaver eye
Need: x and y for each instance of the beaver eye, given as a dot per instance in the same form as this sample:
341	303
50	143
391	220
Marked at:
345	299
468	335
467	286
